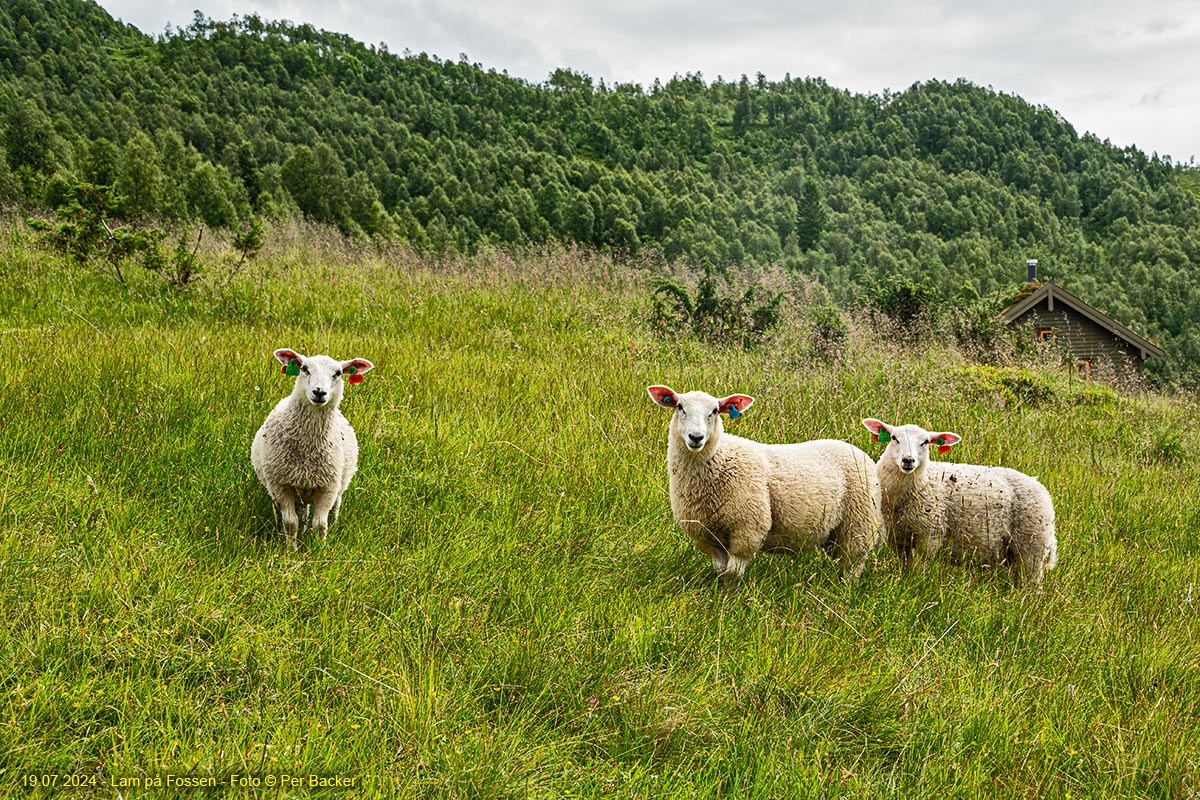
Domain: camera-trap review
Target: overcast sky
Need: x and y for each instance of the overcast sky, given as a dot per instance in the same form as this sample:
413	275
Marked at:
1126	71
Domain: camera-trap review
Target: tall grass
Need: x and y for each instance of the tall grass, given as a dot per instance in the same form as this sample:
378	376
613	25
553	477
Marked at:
506	608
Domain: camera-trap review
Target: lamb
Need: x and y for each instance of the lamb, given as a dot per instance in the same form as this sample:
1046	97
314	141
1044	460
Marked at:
982	515
305	453
734	497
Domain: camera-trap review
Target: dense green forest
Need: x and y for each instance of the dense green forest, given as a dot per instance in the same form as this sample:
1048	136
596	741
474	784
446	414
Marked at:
949	184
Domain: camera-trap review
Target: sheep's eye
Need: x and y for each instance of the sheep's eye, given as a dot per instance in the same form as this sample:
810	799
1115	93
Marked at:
337	374
714	412
304	370
926	442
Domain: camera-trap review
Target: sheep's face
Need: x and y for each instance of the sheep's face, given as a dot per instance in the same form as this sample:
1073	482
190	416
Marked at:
696	423
320	379
908	445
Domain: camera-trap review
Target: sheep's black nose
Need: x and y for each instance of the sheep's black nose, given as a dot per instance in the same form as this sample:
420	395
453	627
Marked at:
908	461
319	392
696	438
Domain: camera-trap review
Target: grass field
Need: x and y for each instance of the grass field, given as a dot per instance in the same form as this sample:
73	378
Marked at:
506	608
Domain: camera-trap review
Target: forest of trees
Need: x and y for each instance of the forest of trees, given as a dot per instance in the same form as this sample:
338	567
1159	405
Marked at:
949	184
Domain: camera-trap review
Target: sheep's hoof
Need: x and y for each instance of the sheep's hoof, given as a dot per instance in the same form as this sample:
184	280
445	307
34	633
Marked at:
729	581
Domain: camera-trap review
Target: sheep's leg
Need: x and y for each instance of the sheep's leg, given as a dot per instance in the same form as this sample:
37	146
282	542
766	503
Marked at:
337	506
708	542
322	503
286	501
715	550
1030	558
743	545
735	568
860	533
1031	572
924	545
851	563
921	556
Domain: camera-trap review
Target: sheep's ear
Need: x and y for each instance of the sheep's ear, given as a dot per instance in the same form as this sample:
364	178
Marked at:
663	395
880	430
735	404
290	359
354	369
944	440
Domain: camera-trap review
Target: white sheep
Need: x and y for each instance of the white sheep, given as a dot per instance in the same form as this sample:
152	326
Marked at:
734	497
981	515
305	453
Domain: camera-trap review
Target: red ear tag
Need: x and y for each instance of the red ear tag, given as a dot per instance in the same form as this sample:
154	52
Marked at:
874	437
944	448
356	378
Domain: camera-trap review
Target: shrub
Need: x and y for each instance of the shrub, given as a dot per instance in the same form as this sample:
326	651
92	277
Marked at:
714	317
904	301
86	230
830	334
1013	386
180	267
1031	387
980	330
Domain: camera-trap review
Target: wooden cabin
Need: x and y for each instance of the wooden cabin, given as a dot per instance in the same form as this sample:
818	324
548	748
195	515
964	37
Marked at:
1098	343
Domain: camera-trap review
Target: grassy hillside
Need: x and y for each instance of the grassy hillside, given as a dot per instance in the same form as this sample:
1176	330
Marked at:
506	608
950	184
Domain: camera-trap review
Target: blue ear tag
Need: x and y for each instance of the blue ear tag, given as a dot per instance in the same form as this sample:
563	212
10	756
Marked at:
733	411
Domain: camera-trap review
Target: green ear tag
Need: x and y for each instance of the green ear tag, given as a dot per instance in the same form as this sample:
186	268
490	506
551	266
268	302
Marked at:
884	436
351	370
941	440
293	368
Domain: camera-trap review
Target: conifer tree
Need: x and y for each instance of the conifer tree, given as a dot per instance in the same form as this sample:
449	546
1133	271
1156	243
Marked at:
810	215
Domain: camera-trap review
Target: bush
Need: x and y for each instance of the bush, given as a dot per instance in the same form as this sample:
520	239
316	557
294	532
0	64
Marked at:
905	302
980	330
830	334
1013	386
179	267
1031	387
85	229
714	317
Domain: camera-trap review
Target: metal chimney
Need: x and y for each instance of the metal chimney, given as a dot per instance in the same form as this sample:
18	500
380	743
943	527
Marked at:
1031	267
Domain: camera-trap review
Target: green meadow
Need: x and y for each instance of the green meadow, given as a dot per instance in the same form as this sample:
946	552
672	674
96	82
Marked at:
506	608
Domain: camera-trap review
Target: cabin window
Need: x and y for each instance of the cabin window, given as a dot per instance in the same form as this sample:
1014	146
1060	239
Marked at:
1084	365
1047	334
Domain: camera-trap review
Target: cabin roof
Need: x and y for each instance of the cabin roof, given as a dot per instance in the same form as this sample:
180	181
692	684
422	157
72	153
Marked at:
1061	295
